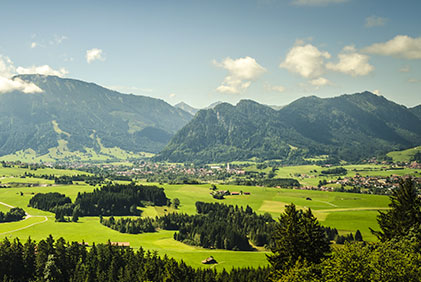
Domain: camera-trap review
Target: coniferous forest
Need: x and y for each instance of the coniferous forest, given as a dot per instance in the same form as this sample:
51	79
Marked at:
58	260
111	199
216	226
14	214
300	251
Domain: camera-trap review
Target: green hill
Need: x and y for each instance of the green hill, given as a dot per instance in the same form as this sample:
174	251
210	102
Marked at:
348	127
75	116
405	155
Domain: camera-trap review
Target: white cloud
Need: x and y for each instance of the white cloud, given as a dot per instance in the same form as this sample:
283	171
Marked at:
321	81
8	84
377	92
316	2
33	45
7	69
45	70
17	84
172	95
401	46
307	61
94	55
58	39
274	88
405	69
414	80
241	71
374	21
351	62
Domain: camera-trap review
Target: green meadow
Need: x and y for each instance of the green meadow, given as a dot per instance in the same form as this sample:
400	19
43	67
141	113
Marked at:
345	211
311	174
405	155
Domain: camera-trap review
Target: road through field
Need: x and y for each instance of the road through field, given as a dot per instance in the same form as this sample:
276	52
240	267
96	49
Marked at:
26	217
4	204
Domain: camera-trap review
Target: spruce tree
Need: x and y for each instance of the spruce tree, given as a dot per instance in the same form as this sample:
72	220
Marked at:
298	237
358	236
404	213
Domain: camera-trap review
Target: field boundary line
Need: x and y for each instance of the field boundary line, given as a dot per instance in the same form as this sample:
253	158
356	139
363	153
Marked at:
354	209
28	226
26	217
333	205
7	205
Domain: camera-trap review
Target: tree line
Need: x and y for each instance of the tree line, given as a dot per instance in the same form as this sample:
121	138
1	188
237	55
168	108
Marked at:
301	253
14	214
215	226
111	199
266	182
50	260
69	179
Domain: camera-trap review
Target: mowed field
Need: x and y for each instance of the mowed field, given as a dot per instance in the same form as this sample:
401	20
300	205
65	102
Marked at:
345	211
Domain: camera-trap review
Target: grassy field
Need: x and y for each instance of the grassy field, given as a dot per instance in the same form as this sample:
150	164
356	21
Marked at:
310	174
16	171
405	155
345	211
61	152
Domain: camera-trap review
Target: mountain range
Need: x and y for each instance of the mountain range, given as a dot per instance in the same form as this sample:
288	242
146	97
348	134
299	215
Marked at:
69	118
75	116
347	127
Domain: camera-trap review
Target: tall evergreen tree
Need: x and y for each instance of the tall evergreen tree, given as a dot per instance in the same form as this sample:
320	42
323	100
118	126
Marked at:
298	237
404	213
358	236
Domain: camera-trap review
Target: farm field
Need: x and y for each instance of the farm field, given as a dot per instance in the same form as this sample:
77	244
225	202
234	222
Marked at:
405	155
345	211
310	174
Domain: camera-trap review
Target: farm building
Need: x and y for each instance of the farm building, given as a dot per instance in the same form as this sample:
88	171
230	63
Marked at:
209	260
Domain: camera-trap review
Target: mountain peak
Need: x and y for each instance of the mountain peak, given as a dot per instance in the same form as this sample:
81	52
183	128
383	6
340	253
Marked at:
350	127
130	122
187	108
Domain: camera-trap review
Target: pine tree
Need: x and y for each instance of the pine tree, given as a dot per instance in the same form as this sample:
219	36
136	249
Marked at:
358	236
298	237
51	271
75	215
404	213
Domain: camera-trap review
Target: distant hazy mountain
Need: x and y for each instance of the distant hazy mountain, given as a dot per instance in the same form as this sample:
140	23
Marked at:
416	111
349	127
77	115
187	108
213	105
276	107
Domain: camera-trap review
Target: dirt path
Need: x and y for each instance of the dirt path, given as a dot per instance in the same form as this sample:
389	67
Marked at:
4	204
28	226
26	217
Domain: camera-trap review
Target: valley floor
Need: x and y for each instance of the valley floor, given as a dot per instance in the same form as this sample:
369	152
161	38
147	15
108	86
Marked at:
345	211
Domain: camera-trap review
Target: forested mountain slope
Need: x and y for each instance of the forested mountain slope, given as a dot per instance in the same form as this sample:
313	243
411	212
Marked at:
77	115
348	127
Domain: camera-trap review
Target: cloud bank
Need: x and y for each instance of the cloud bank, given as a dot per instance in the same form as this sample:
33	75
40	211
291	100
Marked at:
307	61
401	46
45	70
17	84
241	71
351	62
94	54
8	83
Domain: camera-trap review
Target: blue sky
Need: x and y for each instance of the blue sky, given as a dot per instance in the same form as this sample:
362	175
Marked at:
199	52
